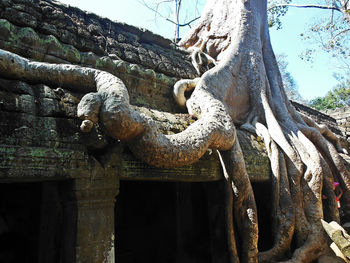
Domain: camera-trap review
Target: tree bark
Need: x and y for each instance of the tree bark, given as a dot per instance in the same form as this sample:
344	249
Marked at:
244	88
303	155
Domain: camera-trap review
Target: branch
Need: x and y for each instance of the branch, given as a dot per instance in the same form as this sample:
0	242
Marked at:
305	6
155	10
189	22
167	19
178	10
341	32
346	4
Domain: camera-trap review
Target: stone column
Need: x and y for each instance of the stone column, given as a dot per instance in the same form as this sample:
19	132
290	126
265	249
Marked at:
95	199
90	203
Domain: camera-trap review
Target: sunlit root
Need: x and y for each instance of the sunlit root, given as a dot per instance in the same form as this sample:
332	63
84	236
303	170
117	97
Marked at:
244	207
282	207
197	61
182	86
110	106
86	126
326	132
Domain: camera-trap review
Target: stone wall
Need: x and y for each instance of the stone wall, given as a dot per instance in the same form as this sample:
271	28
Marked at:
87	32
342	117
52	32
336	121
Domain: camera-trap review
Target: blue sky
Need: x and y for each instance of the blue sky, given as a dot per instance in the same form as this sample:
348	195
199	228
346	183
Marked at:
313	79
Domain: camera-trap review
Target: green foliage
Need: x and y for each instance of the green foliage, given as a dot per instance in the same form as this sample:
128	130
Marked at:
337	98
275	12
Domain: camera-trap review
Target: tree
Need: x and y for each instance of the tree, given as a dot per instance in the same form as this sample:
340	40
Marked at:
244	88
173	8
331	33
339	97
289	84
278	7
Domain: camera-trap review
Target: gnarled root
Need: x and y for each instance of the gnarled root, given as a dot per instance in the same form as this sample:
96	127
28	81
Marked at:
283	210
197	60
244	207
182	86
110	105
304	161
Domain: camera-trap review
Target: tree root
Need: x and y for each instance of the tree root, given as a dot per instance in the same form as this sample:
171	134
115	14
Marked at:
245	213
283	210
182	86
110	105
304	160
197	61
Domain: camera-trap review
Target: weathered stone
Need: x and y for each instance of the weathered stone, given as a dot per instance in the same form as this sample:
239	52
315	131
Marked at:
35	116
56	19
339	237
22	18
342	117
40	137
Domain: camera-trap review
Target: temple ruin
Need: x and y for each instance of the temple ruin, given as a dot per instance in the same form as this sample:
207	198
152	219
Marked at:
67	196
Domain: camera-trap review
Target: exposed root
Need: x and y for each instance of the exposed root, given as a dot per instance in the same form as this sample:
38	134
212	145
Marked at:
182	86
229	204
303	155
335	163
245	213
86	126
110	105
326	132
197	61
303	159
283	210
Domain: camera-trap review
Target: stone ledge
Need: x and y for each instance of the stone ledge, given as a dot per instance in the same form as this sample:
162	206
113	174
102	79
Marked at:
23	163
205	170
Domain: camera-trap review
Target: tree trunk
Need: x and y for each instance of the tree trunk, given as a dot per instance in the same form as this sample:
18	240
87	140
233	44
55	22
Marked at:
244	88
304	159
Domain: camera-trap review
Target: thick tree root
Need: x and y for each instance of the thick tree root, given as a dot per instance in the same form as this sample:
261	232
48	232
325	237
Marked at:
181	87
245	213
244	87
284	213
110	105
303	155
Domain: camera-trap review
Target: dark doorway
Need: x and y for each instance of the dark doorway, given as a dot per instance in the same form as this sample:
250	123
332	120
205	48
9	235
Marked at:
34	223
170	222
19	222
